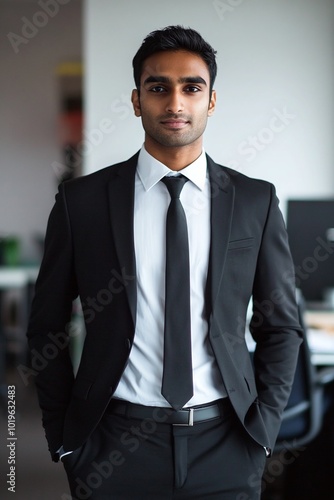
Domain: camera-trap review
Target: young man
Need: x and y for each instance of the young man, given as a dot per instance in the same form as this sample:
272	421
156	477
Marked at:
166	403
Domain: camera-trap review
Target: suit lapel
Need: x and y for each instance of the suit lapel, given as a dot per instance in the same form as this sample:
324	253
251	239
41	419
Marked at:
222	203
121	206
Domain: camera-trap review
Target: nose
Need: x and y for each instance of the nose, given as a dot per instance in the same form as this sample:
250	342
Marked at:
175	102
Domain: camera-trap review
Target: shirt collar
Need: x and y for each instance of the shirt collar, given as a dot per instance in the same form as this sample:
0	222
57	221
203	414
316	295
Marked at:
151	171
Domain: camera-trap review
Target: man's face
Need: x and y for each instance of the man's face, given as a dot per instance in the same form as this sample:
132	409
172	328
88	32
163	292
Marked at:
174	101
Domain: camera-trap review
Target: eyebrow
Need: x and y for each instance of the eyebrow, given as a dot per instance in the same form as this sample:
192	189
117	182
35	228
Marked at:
182	79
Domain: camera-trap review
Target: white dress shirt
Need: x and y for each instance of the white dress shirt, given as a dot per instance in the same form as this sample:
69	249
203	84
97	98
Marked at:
141	380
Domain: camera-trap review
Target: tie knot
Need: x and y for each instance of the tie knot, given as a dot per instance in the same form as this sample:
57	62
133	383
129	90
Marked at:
174	184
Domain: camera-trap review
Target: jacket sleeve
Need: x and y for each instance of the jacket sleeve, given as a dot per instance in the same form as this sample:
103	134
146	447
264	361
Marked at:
49	325
275	322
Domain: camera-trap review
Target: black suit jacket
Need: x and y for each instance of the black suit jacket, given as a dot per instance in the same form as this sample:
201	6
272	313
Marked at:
89	251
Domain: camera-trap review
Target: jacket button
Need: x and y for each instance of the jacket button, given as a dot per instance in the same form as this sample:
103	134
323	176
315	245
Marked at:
128	343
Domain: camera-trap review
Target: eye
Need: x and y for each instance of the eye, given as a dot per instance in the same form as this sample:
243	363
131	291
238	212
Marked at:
192	89
158	89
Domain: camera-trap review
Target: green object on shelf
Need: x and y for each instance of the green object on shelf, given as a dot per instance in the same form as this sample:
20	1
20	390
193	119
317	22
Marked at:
9	251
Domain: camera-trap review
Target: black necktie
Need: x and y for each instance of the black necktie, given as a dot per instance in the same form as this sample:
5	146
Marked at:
177	382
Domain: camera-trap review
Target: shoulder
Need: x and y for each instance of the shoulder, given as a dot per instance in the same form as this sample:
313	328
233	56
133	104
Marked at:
92	183
241	183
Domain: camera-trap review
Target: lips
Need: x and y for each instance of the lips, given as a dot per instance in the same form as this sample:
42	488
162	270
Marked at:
175	123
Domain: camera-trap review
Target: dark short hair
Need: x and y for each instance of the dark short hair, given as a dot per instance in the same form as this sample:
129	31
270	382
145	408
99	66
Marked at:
173	38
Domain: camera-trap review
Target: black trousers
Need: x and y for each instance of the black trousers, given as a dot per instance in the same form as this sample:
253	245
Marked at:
133	459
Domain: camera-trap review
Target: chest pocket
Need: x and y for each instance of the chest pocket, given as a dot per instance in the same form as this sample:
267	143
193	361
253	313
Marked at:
239	244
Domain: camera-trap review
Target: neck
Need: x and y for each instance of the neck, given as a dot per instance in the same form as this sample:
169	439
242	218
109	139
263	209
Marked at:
174	157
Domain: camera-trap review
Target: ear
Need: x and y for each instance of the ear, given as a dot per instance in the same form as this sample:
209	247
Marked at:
212	103
136	102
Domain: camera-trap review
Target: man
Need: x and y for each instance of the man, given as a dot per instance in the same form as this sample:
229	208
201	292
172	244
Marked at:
166	403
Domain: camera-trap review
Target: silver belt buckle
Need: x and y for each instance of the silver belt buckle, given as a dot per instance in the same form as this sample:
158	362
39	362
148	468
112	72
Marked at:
190	419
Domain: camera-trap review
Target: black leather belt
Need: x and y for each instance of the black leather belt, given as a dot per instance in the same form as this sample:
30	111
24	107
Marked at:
186	416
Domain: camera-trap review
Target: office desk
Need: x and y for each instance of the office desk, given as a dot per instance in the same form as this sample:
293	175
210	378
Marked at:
18	279
321	336
320	323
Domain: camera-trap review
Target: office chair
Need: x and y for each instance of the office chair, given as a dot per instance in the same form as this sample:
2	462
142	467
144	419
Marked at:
303	416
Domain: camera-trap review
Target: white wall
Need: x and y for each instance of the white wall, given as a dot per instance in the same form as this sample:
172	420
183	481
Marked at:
29	137
275	57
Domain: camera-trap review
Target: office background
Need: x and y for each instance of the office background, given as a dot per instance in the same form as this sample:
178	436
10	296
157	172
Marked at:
274	118
275	58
